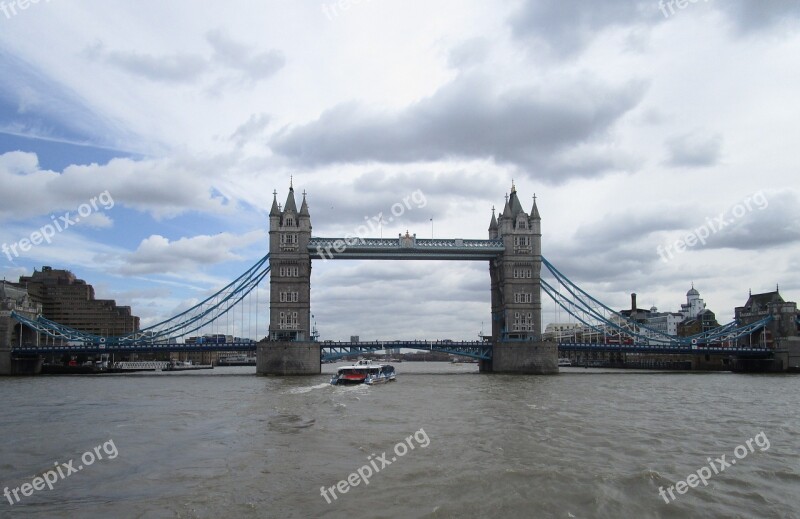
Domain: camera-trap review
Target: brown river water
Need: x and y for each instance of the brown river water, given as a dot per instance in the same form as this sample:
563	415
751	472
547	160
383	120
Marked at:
442	441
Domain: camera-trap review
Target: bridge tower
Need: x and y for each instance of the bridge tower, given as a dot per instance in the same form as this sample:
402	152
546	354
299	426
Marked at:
289	348
517	294
290	274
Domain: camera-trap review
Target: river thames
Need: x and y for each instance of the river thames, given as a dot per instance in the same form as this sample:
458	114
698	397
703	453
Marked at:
442	441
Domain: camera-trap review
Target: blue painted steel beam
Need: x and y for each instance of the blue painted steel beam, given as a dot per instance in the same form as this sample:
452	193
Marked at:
473	349
404	249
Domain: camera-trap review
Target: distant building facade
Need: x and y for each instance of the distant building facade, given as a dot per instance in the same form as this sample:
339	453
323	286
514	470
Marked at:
71	302
664	322
758	306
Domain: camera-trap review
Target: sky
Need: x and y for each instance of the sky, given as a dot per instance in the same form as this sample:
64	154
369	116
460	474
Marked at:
660	139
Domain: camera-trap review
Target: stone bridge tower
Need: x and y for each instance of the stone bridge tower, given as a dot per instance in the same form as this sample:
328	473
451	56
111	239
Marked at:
290	276
517	293
289	348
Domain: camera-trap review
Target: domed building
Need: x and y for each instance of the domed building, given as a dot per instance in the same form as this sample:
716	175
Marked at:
696	317
694	304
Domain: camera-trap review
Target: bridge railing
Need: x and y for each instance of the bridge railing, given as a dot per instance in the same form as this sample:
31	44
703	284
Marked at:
679	348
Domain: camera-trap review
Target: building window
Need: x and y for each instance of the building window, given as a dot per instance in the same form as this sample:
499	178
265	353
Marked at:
523	323
290	222
289	297
288	321
289	272
523	273
522	297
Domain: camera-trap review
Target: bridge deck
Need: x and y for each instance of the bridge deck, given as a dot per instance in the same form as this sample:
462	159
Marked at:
332	349
662	349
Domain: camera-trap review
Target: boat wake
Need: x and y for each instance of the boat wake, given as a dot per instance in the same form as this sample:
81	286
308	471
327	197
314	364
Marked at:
308	389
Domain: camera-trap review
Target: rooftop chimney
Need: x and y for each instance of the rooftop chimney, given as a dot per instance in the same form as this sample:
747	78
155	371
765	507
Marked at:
633	303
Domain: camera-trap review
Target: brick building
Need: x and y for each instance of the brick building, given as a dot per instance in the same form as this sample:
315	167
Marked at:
70	301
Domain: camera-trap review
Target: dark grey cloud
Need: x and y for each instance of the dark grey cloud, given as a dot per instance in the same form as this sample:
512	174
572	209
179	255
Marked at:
227	53
468	53
694	150
250	129
749	16
549	132
338	208
176	68
616	263
615	229
768	221
563	28
623	251
242	58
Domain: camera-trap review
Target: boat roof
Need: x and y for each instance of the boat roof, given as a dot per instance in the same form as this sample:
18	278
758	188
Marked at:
365	365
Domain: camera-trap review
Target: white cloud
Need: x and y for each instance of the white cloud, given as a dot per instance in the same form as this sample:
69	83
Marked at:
158	255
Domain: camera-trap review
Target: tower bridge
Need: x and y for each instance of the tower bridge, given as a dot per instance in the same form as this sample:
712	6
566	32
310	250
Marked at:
513	251
764	334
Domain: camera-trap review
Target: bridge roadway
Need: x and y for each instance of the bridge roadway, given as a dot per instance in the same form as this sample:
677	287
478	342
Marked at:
330	349
334	350
668	349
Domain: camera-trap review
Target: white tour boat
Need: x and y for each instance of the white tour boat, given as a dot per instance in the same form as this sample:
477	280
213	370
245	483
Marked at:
364	372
